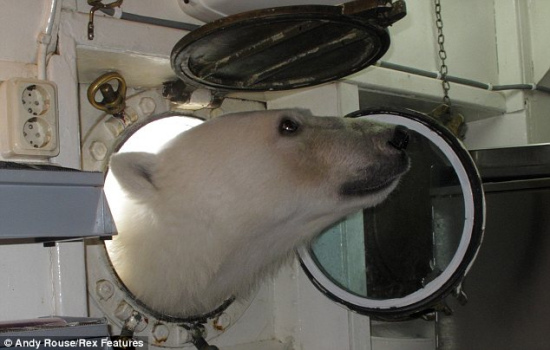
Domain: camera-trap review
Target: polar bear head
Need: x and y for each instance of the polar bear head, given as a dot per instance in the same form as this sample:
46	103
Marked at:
222	205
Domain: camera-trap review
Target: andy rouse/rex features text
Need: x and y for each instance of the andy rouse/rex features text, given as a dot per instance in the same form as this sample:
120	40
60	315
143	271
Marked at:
80	343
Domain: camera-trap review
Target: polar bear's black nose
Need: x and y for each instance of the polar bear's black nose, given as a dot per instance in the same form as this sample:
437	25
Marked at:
400	138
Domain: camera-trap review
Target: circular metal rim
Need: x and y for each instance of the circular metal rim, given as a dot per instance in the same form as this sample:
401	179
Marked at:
304	12
128	133
428	302
135	127
99	267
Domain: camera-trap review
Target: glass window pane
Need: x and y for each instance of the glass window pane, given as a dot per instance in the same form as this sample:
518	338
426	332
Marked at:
405	242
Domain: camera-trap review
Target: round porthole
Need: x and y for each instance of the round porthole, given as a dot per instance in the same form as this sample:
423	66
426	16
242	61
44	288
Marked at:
402	258
110	298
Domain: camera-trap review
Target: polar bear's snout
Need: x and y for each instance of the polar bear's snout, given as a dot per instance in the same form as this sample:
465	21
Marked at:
400	138
384	162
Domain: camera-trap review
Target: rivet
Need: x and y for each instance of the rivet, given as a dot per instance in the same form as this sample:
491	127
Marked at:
105	289
98	150
160	333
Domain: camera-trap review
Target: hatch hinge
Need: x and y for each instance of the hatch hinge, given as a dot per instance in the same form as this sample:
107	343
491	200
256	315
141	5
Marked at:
383	12
187	97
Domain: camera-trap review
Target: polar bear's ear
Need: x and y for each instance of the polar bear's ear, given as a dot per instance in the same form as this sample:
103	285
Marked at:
134	172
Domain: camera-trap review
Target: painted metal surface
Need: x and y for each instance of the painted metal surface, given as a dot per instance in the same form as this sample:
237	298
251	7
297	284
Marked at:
508	307
49	203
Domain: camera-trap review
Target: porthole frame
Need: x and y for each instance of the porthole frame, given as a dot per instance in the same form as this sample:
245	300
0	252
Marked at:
428	299
111	299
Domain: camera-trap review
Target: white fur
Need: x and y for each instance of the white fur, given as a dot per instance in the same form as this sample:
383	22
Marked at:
226	203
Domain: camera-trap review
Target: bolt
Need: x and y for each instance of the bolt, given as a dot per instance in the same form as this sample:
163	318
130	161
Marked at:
123	311
140	327
183	335
147	106
200	98
135	323
98	150
115	126
216	112
130	116
160	333
222	322
105	289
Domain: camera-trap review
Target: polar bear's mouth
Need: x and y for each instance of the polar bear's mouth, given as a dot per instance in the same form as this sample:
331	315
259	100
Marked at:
364	187
386	179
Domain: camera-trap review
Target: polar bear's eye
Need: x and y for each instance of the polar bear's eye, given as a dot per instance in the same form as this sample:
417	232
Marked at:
288	126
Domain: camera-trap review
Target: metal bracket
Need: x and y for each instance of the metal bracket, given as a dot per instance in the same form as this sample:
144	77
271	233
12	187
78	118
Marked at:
384	12
198	332
98	5
460	295
190	97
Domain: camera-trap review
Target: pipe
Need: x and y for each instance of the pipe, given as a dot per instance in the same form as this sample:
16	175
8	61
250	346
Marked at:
405	69
461	81
118	13
44	40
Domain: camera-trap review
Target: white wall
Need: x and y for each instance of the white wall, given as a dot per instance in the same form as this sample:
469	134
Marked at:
469	29
20	23
522	49
538	11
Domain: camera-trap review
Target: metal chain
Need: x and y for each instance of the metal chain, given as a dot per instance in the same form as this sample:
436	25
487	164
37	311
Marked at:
443	69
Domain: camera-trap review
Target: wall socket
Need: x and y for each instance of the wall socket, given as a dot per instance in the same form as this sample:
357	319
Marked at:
29	120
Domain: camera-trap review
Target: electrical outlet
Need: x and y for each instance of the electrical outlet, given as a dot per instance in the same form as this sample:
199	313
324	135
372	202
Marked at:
29	120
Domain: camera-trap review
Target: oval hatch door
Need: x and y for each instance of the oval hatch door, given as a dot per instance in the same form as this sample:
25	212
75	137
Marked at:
285	47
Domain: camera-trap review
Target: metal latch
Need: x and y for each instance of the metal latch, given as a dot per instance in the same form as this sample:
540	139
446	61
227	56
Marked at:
114	101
